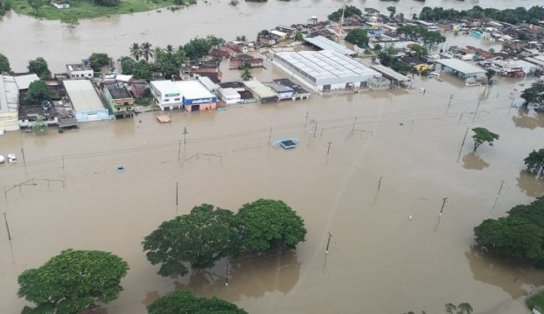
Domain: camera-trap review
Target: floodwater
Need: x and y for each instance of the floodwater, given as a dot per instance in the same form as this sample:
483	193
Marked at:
393	158
23	38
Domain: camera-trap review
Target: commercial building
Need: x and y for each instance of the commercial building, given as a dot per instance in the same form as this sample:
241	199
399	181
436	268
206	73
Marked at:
195	96
119	99
79	71
9	103
208	83
325	70
462	69
397	79
323	43
85	100
166	95
261	92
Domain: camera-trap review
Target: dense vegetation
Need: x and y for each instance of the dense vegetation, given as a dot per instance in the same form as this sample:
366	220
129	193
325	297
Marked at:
183	302
37	92
512	16
207	234
534	95
349	11
389	59
73	281
535	163
519	236
5	5
99	60
40	67
358	37
414	32
4	64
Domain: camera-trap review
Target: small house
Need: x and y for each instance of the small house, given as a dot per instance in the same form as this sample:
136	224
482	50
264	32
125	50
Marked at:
118	99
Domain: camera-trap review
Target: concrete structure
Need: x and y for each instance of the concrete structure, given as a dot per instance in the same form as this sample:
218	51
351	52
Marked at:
79	71
325	70
283	92
299	91
166	95
396	78
84	98
23	81
230	95
9	104
261	92
379	83
208	83
118	99
195	96
323	43
461	68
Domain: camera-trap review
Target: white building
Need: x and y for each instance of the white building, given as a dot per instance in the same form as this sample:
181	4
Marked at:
23	81
79	71
9	104
195	96
166	94
230	95
325	70
84	98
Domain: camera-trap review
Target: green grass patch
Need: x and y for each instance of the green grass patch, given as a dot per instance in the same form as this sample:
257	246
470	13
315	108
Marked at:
537	301
87	9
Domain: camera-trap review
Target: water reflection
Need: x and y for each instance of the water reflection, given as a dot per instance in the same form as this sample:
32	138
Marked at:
528	119
249	277
530	184
474	162
515	280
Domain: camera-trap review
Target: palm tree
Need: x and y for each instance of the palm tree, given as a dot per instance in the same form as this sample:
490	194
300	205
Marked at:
135	51
169	49
464	308
146	51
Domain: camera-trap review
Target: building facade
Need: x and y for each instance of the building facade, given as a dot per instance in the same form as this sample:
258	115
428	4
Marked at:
166	95
118	99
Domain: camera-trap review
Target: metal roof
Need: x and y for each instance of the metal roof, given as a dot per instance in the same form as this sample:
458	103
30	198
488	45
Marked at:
326	44
260	89
390	73
9	94
535	61
166	87
326	67
461	66
208	83
23	81
83	95
193	90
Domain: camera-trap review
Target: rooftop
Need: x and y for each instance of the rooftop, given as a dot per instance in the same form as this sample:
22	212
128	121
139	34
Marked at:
390	73
118	91
23	81
193	90
326	44
260	89
83	95
166	87
461	66
208	83
78	67
327	66
8	94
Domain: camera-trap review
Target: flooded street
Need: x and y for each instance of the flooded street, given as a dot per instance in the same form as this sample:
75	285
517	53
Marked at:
24	38
379	261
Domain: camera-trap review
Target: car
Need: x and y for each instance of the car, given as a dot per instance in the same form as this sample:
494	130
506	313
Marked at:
12	158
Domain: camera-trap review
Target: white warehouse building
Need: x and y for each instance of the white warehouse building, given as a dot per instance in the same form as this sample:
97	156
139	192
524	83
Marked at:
325	70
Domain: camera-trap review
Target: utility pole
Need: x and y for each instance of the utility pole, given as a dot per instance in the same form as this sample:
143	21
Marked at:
269	135
315	128
353	126
62	163
177	193
185	132
328	243
444	199
500	188
476	112
7	226
306	119
449	103
179	149
329	147
24	159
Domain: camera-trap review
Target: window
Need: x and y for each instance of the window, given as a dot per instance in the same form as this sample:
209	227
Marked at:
166	99
176	99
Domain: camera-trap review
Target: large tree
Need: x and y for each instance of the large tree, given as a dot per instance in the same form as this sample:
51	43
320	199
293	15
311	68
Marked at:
265	225
535	162
39	66
534	94
347	11
98	61
135	51
146	51
183	302
358	37
37	92
483	135
198	239
4	64
73	281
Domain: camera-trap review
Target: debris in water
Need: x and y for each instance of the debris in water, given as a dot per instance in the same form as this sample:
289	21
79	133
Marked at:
120	169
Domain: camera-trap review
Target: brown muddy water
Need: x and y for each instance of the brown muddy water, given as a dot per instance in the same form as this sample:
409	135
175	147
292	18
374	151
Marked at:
379	261
23	38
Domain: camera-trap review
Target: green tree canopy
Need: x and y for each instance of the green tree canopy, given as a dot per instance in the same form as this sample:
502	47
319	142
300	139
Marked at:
245	75
534	94
419	50
39	66
349	11
198	239
392	10
98	61
199	47
73	281
299	36
265	225
135	51
358	37
4	64
183	302
535	162
37	92
5	5
483	135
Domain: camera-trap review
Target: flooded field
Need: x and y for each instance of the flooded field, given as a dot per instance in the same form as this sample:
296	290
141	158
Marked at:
24	38
392	156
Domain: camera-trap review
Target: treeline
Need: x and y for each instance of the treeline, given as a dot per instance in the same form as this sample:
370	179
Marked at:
168	60
5	6
512	16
